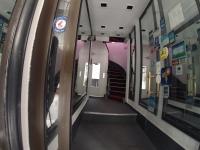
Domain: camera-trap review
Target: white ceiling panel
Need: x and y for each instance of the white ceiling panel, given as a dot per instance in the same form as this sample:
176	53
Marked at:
113	16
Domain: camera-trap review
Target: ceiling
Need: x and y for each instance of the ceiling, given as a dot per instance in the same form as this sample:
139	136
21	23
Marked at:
6	7
114	20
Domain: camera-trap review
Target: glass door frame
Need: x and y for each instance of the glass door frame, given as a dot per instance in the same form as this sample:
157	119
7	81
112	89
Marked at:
150	4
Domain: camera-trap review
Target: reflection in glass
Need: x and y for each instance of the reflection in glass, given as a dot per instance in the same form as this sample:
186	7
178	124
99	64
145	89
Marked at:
149	88
182	107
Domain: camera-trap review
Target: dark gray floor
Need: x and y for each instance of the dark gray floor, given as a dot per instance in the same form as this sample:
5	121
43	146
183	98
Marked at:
109	135
107	106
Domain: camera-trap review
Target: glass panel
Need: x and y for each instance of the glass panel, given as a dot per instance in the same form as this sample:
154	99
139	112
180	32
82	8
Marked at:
6	9
182	106
178	12
149	87
132	75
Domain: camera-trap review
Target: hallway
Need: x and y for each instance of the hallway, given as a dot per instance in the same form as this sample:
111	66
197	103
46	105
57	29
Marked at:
109	125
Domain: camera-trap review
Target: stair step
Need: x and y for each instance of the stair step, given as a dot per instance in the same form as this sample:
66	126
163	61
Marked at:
117	93
109	117
118	89
114	72
114	97
116	76
117	84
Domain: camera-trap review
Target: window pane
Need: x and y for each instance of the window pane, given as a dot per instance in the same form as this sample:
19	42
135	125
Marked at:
178	12
182	107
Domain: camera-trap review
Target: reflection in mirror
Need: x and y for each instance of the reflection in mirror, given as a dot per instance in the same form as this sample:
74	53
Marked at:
132	75
149	88
182	103
6	9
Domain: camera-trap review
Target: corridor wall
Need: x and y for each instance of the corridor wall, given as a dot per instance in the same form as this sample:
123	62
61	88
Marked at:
175	134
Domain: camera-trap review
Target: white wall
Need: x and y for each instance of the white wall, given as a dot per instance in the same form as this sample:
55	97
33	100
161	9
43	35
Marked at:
178	136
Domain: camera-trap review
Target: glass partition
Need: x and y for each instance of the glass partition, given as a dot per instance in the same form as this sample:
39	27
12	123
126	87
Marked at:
182	95
182	105
132	75
149	88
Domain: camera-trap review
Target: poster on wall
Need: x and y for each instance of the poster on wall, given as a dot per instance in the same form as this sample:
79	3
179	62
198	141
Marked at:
179	51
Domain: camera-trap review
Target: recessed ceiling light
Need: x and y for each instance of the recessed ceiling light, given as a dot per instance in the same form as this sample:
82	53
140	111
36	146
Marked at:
129	7
121	27
103	26
103	4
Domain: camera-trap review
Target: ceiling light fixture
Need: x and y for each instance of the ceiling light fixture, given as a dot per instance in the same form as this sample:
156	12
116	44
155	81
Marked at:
129	7
103	4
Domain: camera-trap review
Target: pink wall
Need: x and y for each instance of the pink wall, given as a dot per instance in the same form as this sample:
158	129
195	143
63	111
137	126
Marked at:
118	53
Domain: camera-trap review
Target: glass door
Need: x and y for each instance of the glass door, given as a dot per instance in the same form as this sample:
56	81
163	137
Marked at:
149	85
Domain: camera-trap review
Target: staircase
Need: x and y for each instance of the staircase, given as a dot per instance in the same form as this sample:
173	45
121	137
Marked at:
116	82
